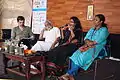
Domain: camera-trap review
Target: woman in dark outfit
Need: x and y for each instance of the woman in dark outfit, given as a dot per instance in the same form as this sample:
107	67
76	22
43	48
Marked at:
59	54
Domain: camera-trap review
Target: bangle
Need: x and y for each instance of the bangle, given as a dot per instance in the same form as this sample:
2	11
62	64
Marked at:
87	45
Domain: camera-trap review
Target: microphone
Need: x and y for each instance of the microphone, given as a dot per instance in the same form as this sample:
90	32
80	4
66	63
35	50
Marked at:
64	26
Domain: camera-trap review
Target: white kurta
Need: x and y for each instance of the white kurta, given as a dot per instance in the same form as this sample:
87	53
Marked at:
50	37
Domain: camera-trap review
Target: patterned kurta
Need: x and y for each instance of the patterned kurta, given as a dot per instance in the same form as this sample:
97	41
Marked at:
84	59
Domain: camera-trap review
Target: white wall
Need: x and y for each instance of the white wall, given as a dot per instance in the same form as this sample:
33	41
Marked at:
10	9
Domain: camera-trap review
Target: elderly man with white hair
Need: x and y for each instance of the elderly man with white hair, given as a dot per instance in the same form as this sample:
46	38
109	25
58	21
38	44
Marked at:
51	36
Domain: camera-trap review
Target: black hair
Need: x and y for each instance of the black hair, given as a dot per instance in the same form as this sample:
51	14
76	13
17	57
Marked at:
102	18
78	29
20	18
77	22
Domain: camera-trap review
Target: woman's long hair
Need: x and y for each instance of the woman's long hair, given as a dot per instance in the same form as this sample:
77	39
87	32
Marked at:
78	29
102	18
77	23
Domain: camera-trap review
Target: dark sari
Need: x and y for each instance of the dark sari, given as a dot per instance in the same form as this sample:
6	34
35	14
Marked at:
59	54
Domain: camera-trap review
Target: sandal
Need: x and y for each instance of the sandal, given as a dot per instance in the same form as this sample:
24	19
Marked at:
71	78
60	78
64	77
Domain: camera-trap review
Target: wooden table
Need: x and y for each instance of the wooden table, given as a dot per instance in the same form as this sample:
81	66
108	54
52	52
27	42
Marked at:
27	61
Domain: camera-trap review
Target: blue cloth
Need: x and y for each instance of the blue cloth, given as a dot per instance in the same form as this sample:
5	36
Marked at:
73	68
84	59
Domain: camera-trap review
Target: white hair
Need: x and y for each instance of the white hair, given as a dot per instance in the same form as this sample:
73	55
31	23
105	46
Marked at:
49	22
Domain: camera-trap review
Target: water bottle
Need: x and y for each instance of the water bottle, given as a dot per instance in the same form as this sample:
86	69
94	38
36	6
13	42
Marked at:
11	48
21	49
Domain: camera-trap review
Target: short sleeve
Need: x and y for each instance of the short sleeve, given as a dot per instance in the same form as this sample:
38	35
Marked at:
57	32
13	34
30	32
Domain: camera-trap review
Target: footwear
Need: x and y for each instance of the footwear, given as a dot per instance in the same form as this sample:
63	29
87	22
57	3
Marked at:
71	78
64	77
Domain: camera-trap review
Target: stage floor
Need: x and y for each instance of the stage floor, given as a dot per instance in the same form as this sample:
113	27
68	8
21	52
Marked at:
108	69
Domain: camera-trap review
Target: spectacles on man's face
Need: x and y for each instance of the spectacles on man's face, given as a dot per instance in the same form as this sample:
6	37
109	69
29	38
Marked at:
46	24
71	21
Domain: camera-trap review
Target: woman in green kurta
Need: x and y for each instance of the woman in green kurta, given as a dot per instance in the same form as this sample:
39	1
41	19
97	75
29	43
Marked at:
95	41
